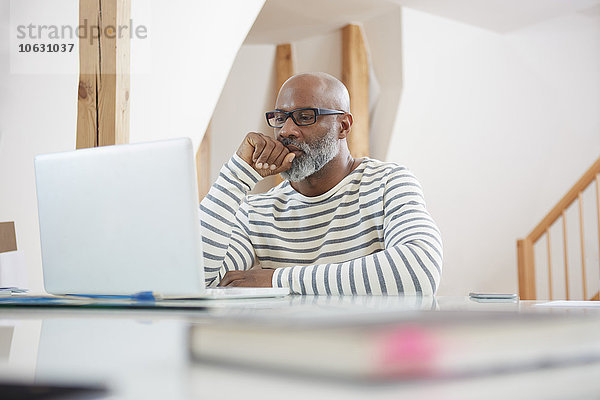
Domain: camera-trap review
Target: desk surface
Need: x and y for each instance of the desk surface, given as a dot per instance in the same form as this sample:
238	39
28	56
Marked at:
144	354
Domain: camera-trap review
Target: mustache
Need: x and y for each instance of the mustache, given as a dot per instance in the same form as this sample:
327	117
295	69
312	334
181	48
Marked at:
287	141
290	142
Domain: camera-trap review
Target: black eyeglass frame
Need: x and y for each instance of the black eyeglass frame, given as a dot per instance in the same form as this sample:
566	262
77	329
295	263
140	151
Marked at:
317	111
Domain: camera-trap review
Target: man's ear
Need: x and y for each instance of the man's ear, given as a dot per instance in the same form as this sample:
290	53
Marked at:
345	125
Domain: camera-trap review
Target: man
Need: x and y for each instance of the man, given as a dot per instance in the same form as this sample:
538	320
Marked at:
336	225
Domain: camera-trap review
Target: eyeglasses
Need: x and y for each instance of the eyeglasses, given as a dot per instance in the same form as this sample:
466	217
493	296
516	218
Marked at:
301	116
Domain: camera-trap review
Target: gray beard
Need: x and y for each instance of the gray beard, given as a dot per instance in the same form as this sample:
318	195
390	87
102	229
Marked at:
315	156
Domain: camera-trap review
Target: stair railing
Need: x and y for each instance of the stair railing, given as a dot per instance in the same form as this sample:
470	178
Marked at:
525	252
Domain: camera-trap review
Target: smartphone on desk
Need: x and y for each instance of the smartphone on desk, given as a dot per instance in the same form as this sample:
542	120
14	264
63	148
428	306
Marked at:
494	297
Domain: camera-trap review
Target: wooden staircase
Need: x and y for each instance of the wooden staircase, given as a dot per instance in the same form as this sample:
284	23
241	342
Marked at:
525	247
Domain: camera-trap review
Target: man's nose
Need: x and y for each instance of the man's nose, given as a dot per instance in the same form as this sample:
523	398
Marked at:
289	129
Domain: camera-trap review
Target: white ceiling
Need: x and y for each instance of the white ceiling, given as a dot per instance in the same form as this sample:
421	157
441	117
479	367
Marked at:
284	21
503	15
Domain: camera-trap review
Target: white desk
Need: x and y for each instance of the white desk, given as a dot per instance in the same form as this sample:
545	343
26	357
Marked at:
144	354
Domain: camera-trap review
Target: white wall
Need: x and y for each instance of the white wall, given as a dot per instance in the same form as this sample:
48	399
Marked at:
315	53
250	91
497	127
178	73
247	94
38	114
384	36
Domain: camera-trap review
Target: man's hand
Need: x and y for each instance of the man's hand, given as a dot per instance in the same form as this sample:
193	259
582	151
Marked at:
255	277
266	155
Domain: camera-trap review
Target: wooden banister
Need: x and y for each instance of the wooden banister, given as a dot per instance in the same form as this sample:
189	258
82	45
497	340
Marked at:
566	201
525	252
526	269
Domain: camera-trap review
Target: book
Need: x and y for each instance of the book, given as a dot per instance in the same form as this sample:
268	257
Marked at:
382	347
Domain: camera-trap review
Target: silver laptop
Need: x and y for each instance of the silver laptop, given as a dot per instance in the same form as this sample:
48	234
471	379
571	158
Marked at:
119	220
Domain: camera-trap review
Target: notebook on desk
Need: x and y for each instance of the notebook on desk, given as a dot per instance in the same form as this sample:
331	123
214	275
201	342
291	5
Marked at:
119	220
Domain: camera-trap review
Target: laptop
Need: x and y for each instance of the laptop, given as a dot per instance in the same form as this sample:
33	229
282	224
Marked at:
120	220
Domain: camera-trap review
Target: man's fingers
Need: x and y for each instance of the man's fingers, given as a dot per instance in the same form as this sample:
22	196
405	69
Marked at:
287	163
230	277
278	156
255	277
259	144
265	155
280	159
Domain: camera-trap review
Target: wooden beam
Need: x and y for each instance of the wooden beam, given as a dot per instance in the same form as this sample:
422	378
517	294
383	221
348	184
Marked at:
89	76
284	64
104	83
355	75
284	69
8	238
203	165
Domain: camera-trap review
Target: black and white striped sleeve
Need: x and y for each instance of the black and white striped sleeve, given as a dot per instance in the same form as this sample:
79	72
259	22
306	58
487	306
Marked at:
410	263
225	244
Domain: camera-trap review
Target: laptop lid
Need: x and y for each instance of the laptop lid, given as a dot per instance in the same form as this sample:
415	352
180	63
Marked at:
120	220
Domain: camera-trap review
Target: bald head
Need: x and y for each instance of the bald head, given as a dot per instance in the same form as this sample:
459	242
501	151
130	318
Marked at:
313	89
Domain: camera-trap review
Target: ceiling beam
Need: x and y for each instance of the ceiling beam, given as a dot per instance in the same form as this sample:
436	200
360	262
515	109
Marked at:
355	75
203	164
284	65
104	82
8	238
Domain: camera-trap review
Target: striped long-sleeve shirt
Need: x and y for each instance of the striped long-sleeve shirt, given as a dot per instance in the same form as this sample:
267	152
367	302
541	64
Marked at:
370	234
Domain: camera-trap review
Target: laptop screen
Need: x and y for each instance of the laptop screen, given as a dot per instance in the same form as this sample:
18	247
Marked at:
120	220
